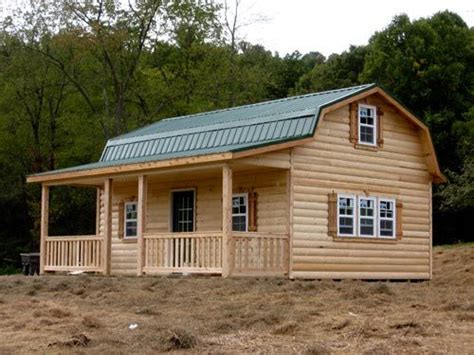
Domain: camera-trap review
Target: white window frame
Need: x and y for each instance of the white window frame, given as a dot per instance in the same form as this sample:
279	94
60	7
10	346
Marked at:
354	215
374	217
374	108
393	219
246	197
125	220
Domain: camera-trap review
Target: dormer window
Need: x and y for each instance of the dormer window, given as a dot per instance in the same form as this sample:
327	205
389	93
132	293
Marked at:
367	125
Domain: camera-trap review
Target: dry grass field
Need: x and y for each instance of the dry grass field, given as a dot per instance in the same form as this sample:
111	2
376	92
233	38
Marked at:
92	314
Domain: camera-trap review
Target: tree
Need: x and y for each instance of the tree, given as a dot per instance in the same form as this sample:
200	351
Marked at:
339	70
428	64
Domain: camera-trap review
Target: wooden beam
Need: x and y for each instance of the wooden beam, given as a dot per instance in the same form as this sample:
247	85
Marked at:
430	188
44	225
126	168
290	193
141	223
227	260
107	241
97	211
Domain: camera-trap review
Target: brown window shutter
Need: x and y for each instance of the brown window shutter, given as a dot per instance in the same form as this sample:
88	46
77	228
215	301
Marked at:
332	214
121	218
353	123
252	227
379	127
399	226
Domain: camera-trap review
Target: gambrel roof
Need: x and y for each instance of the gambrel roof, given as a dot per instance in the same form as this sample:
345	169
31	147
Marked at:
230	130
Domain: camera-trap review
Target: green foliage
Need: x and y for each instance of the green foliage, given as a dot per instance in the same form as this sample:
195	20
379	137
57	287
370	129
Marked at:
72	76
339	70
459	193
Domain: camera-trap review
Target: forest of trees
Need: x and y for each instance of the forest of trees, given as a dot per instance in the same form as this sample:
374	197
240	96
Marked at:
74	73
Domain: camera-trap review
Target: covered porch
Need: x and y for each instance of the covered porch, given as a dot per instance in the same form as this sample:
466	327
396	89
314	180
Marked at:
229	219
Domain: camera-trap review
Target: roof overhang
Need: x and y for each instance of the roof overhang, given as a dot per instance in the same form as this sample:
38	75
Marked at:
63	176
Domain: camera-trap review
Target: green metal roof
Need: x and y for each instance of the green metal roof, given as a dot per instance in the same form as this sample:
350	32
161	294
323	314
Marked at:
230	130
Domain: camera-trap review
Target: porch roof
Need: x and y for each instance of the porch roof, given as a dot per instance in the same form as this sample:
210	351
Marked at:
222	131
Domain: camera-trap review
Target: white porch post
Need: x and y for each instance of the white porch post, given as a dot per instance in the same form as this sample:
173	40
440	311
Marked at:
141	222
227	260
44	225
107	241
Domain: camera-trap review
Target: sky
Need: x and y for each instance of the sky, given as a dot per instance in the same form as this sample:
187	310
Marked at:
331	26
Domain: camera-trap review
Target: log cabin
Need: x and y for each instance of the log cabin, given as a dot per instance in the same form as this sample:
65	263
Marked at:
334	184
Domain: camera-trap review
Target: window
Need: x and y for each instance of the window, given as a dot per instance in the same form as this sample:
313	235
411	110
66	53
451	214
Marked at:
240	212
386	218
367	125
346	215
130	218
366	217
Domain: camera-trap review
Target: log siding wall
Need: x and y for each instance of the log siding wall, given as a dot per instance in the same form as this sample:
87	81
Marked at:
332	163
272	208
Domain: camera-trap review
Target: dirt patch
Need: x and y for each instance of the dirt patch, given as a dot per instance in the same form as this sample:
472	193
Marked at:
76	341
181	339
91	322
289	328
317	349
258	315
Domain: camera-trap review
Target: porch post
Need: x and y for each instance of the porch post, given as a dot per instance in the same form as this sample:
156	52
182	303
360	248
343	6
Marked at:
227	261
44	225
141	220
97	211
107	241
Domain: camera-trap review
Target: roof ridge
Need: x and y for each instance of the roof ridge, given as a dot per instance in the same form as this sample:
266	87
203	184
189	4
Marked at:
288	98
248	105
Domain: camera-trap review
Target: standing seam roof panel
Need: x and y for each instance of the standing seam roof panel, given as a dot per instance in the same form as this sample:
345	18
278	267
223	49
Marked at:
235	128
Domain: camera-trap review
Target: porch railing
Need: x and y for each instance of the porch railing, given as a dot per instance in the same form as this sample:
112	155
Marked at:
73	253
183	252
260	254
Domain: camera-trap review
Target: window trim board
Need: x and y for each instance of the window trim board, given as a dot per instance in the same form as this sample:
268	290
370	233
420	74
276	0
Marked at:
374	109
354	225
356	236
393	219
374	218
125	220
246	195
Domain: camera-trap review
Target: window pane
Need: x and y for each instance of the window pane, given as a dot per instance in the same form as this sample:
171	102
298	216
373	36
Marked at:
346	225
386	209
238	224
367	134
346	230
235	205
131	229
131	209
386	228
366	226
346	206
366	207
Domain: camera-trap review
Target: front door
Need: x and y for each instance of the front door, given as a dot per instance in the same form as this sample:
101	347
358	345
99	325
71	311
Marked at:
182	221
183	211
